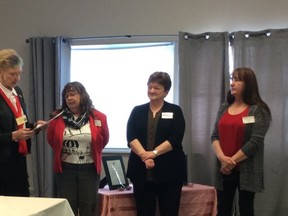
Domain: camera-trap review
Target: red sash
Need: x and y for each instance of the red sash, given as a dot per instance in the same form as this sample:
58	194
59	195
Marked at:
22	147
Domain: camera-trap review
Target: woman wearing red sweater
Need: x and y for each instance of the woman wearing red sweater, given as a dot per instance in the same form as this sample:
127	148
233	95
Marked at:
77	137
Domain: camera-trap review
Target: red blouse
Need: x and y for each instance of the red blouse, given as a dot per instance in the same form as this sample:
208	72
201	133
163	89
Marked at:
231	132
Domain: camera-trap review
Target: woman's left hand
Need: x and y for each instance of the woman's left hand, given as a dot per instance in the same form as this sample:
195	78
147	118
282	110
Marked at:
147	155
226	170
40	123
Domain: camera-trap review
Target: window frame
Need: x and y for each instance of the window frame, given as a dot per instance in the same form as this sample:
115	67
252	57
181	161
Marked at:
134	39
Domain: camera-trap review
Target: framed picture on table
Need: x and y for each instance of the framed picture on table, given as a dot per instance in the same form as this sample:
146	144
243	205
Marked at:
115	172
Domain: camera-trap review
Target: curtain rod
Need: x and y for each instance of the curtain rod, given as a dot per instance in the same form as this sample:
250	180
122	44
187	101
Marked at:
110	37
121	36
27	40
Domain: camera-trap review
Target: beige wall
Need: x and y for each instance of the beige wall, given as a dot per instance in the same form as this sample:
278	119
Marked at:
87	18
21	19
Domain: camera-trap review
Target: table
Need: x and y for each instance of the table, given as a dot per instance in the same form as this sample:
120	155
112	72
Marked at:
196	200
32	206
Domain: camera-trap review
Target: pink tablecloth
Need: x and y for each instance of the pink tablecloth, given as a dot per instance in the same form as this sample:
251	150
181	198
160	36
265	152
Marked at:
196	200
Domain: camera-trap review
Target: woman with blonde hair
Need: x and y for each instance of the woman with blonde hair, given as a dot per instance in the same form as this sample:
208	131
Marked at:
15	128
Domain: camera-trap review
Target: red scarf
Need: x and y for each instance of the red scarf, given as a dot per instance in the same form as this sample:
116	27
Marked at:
22	147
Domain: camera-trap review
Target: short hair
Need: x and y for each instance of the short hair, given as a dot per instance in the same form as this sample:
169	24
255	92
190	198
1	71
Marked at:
9	59
86	104
161	78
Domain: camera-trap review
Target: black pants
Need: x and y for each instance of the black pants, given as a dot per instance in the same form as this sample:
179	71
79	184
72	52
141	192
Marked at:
79	185
13	175
226	197
14	187
167	195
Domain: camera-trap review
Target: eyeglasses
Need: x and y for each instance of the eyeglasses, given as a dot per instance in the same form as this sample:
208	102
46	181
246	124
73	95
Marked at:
71	94
235	78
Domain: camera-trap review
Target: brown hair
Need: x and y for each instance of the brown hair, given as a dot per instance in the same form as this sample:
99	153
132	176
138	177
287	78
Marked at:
161	78
250	94
86	104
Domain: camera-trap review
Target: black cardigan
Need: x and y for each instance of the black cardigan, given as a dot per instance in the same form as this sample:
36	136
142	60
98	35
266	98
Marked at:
170	166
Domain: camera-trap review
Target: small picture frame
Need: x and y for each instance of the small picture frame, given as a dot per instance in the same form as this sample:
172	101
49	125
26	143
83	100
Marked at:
115	172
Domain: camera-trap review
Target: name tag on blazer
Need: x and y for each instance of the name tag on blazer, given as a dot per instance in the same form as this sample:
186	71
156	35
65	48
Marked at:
21	120
167	115
97	123
248	119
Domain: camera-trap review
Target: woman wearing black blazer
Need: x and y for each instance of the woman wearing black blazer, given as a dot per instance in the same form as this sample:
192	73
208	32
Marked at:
15	129
157	165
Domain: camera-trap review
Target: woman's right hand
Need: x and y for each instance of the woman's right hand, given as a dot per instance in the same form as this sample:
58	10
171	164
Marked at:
149	163
22	134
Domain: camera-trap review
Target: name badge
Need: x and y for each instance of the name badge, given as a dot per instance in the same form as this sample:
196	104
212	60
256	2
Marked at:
248	119
98	123
167	115
21	120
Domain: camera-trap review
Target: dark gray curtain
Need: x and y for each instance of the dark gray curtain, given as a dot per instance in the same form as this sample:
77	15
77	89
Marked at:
203	82
49	66
266	52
